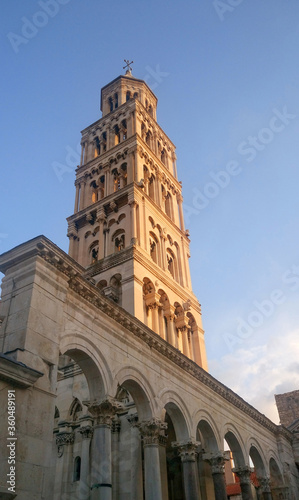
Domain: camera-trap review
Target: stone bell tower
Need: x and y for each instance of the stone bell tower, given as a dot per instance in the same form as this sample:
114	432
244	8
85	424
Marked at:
128	229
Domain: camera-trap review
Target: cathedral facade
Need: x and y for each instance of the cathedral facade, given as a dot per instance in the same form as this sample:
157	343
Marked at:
103	349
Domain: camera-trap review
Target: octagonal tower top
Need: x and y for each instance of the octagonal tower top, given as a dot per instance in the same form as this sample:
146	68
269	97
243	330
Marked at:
126	87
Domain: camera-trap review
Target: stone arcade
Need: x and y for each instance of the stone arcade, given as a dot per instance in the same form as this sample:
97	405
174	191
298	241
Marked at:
104	347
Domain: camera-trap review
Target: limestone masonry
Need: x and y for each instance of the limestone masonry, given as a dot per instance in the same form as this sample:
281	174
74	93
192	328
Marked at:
104	385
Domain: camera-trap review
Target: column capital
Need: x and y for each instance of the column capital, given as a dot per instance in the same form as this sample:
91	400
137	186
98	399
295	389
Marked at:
86	431
188	450
216	461
100	215
104	410
132	418
115	428
151	430
64	437
264	483
243	473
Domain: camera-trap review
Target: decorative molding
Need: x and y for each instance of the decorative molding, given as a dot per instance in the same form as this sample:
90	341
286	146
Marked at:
17	373
64	438
86	431
243	474
151	430
103	411
188	450
216	461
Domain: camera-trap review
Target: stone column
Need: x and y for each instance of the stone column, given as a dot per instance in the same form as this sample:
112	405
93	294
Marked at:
77	198
101	219
163	465
101	467
86	430
188	452
115	429
72	235
82	193
82	153
64	441
155	317
186	349
181	215
244	474
217	462
264	488
133	206
150	431
171	332
136	459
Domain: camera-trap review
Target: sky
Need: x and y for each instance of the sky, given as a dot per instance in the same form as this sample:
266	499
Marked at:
226	76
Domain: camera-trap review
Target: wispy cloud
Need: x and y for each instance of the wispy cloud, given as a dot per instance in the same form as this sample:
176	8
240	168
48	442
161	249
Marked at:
259	372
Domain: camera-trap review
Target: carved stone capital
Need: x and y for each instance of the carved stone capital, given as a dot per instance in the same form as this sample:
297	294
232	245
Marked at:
132	418
151	430
62	439
188	450
243	474
115	428
103	411
264	483
216	461
86	431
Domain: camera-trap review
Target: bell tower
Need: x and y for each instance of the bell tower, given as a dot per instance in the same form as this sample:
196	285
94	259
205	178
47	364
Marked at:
128	229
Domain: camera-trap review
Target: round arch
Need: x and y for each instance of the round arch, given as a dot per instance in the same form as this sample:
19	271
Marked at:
203	415
91	361
134	381
276	477
207	437
257	456
236	445
178	412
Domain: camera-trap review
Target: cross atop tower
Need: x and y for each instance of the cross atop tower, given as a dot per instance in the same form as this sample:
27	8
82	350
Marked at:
128	66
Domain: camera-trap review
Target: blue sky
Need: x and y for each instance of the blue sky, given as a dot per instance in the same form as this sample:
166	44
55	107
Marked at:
226	76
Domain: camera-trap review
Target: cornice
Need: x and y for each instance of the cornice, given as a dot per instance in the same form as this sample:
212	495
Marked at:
120	109
55	257
17	373
104	158
108	262
100	204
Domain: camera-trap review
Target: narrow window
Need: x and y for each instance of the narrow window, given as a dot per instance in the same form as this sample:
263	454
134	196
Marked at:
116	135
120	243
104	140
111	103
124	130
116	101
128	95
77	469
